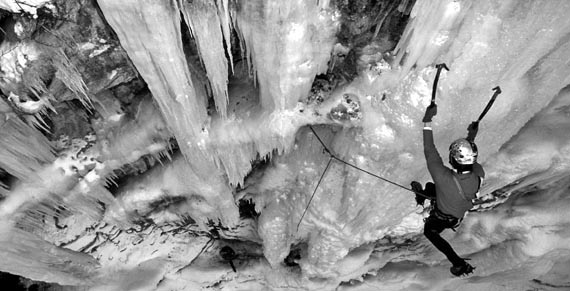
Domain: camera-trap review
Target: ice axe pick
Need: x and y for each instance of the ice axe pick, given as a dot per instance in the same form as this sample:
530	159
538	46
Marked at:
434	89
490	103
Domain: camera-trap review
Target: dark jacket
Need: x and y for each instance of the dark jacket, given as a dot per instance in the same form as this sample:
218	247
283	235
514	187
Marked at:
448	198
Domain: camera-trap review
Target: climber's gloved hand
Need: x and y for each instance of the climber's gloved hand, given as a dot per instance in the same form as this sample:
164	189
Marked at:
417	188
431	111
472	130
420	200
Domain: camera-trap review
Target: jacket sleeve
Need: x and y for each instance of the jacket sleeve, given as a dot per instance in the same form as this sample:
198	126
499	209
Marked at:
433	159
478	170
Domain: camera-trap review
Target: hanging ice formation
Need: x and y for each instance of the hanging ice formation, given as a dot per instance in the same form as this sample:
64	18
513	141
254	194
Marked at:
210	24
151	36
303	45
23	149
288	43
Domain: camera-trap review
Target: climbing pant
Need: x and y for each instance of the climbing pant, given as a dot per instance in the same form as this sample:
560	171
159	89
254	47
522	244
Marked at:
434	225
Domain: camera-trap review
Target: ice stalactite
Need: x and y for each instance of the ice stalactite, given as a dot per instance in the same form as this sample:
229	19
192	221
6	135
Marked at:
150	33
205	19
23	150
67	72
235	143
287	43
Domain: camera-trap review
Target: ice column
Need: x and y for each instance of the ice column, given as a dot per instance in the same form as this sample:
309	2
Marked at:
287	43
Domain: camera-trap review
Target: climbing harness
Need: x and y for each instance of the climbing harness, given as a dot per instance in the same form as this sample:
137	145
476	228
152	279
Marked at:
333	157
490	103
434	89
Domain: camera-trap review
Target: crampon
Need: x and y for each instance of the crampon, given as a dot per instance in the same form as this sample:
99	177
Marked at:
462	270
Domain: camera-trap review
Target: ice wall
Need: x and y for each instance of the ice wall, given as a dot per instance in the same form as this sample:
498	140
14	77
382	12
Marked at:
515	45
540	148
485	43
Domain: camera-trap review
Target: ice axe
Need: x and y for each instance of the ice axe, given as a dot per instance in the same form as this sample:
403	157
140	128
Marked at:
439	67
490	103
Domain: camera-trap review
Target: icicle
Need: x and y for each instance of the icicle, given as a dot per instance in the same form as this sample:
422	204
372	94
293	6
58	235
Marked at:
202	18
426	33
150	33
288	43
67	72
23	149
224	14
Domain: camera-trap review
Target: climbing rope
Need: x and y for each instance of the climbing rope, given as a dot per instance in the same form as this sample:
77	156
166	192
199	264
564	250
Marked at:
333	157
315	191
360	169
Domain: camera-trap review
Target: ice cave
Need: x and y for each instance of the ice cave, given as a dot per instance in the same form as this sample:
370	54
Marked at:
270	144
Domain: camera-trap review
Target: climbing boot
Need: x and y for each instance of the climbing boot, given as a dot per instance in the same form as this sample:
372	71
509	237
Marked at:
462	269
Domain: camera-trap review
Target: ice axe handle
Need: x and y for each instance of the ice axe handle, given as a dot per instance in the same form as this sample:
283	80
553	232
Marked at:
434	89
497	92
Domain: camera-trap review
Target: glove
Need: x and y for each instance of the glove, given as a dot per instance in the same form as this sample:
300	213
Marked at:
472	130
431	111
417	188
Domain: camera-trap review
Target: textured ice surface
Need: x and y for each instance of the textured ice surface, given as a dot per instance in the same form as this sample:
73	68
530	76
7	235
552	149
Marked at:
300	33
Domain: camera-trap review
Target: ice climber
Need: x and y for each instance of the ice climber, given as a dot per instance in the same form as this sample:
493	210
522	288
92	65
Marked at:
452	190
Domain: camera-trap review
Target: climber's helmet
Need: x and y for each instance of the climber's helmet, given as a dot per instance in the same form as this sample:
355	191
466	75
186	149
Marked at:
462	154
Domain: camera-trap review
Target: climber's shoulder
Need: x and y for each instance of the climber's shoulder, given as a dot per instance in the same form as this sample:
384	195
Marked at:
478	170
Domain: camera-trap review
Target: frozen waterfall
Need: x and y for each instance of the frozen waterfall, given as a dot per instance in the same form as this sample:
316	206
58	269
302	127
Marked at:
198	138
